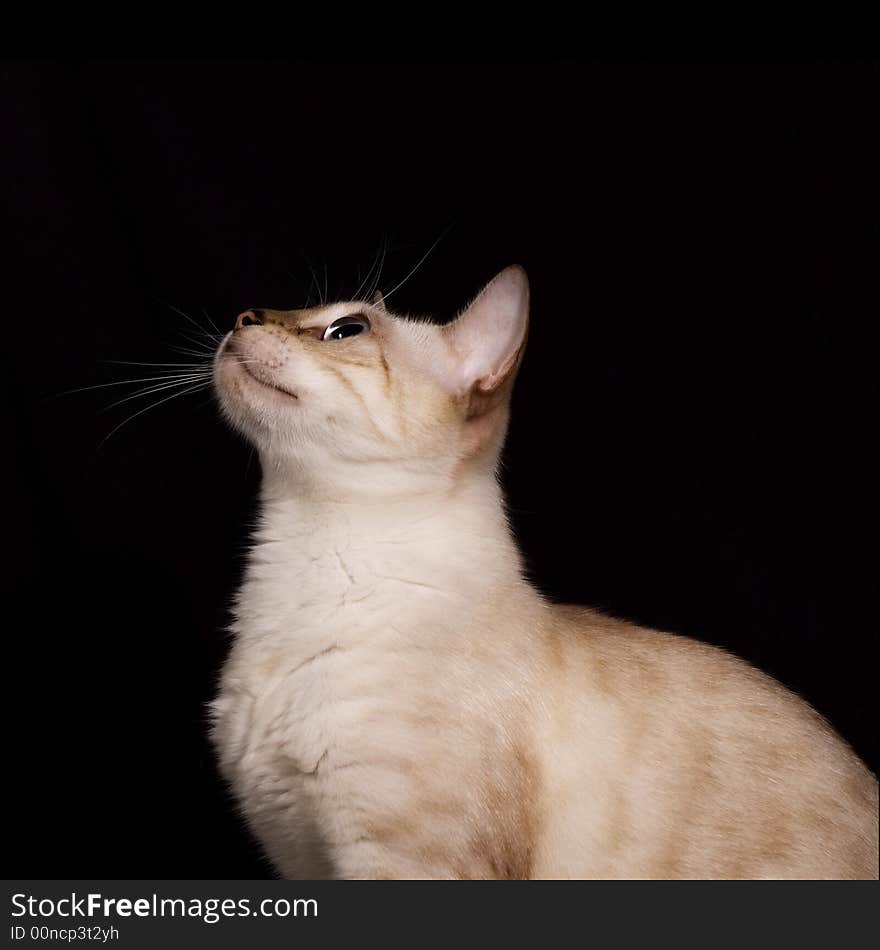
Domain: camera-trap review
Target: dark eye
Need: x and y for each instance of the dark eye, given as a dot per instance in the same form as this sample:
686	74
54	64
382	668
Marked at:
345	327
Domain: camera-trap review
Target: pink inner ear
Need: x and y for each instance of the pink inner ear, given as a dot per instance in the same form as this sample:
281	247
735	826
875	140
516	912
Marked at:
488	334
487	383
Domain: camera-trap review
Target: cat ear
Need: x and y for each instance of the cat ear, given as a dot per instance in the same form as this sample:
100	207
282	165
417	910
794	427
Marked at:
487	340
379	301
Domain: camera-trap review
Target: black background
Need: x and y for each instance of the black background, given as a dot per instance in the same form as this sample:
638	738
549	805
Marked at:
689	446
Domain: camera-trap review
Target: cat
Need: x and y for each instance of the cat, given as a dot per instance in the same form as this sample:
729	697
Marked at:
399	702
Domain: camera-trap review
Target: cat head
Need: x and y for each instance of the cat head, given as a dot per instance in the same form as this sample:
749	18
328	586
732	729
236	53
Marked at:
350	395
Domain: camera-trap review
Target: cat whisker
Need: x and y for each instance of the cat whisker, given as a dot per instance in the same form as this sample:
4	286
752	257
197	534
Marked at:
131	382
368	275
419	263
209	340
314	282
194	322
364	280
362	292
208	318
154	405
158	388
205	354
375	285
135	363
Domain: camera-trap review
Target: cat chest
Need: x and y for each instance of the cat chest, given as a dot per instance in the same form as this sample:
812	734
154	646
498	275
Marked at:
284	719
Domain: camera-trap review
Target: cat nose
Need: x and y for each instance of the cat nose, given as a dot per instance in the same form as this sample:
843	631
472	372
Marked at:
250	318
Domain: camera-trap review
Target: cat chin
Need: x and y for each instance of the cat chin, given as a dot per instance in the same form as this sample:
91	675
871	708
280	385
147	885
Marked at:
252	383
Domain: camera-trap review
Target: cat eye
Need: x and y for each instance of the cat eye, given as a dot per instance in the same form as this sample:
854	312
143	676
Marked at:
346	327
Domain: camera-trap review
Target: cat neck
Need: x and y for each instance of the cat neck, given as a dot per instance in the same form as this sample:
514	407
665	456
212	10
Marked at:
436	551
468	515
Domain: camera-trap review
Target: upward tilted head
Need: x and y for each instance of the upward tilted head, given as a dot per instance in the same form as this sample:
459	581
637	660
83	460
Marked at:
348	398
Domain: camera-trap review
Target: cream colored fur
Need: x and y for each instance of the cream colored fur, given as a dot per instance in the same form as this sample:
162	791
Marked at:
399	702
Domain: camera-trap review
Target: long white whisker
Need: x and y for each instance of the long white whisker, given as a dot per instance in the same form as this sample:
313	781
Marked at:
314	282
160	388
208	318
195	323
129	382
140	412
368	275
204	354
208	341
421	261
134	363
375	285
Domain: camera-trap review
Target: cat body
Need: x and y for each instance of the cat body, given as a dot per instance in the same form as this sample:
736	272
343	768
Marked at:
400	702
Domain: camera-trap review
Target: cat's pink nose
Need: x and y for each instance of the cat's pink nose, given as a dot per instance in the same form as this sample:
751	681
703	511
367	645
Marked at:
250	318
